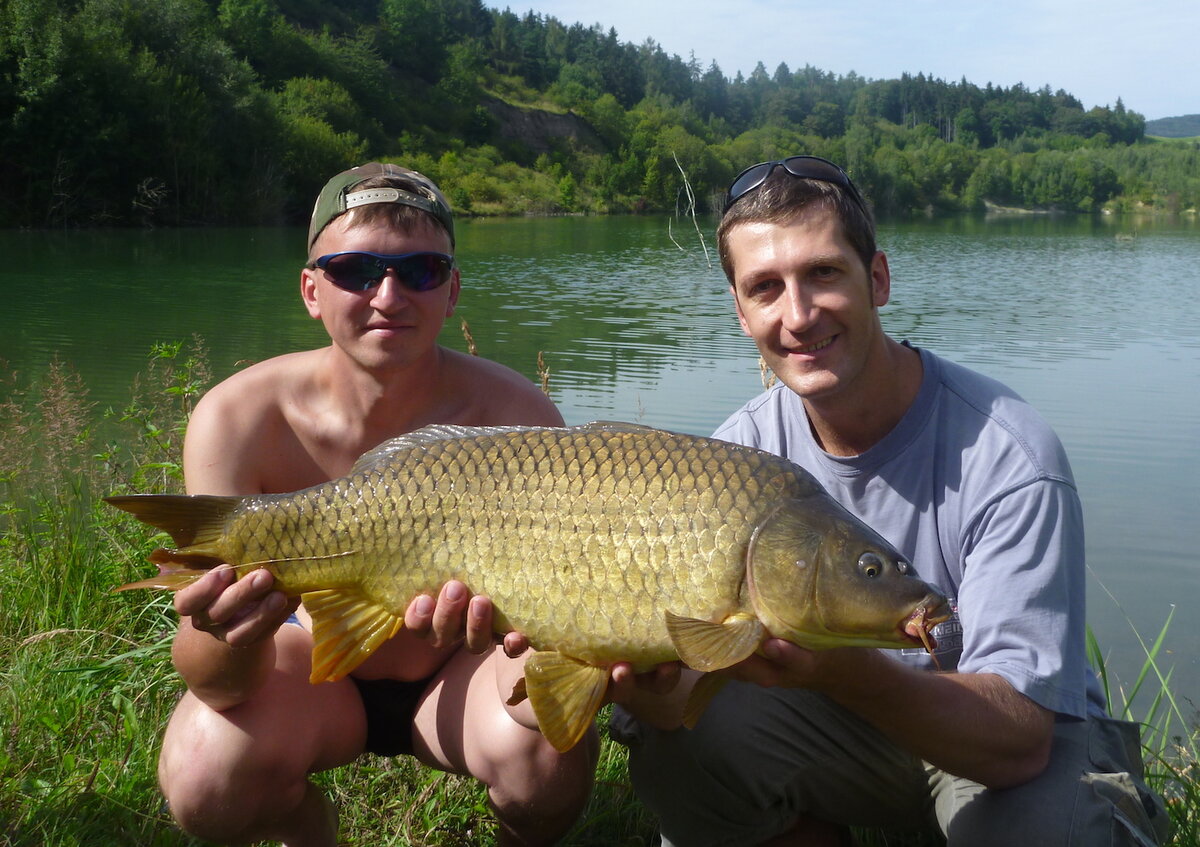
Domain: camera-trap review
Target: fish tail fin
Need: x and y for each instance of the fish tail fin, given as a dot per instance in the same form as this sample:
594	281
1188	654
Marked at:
196	525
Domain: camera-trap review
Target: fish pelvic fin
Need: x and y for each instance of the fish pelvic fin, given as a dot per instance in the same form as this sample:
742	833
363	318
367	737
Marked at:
708	646
701	695
565	694
196	524
347	628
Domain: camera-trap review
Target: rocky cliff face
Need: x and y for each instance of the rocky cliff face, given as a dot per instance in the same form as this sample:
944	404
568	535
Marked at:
540	131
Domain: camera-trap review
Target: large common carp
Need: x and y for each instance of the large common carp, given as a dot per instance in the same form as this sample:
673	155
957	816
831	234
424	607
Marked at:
601	543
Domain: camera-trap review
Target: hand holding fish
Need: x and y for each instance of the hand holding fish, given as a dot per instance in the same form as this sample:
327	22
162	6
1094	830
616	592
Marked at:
454	615
239	612
780	663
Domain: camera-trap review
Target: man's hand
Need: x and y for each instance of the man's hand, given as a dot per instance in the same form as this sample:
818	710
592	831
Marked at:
778	663
454	615
239	612
625	686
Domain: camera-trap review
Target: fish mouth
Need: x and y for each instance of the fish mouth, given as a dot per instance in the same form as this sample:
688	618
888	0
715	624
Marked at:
917	628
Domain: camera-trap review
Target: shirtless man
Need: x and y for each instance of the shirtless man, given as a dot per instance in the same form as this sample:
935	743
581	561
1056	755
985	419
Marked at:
251	728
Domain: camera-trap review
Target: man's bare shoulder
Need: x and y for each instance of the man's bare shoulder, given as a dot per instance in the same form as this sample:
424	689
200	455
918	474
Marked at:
266	384
496	393
242	436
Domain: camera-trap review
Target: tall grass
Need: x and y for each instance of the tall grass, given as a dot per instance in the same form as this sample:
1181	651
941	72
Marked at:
86	684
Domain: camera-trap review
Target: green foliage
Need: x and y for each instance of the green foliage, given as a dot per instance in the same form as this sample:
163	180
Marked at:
154	112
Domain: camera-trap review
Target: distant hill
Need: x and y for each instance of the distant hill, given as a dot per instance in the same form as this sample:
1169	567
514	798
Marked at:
1184	126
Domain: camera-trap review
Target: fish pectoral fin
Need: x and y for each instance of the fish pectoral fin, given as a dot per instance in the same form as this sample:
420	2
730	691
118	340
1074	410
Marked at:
565	694
708	646
347	628
701	695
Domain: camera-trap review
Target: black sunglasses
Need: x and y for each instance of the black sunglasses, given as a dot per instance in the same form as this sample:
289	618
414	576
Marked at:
360	270
803	167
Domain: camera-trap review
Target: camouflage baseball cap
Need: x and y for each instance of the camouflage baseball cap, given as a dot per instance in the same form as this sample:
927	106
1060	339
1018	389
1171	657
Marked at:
338	196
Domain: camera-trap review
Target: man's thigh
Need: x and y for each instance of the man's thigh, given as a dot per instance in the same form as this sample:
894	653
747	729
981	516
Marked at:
759	758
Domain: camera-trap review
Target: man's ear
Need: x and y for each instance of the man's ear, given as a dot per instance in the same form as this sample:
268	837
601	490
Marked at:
881	280
308	292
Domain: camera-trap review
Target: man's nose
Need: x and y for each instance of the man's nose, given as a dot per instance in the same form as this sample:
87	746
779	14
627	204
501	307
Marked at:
800	311
389	291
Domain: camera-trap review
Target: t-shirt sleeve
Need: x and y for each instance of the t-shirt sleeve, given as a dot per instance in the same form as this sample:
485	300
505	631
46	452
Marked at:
1021	600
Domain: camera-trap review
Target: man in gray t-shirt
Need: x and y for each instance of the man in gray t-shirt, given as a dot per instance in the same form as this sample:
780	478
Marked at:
1010	742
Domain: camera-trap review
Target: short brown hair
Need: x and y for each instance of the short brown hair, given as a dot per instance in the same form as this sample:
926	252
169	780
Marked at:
782	197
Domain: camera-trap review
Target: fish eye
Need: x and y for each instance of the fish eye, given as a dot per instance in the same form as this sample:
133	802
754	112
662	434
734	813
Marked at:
870	565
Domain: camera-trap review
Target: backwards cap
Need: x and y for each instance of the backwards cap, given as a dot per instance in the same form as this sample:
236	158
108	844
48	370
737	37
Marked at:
338	196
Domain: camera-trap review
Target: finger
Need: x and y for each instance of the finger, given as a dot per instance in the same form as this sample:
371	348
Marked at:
238	598
663	679
479	624
201	593
449	613
418	617
622	683
260	620
515	644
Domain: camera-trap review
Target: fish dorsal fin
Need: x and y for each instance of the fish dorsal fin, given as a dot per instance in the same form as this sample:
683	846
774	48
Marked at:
347	628
708	646
614	426
701	695
429	435
425	437
565	694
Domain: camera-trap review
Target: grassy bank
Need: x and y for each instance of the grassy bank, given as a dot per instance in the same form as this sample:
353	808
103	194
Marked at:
86	684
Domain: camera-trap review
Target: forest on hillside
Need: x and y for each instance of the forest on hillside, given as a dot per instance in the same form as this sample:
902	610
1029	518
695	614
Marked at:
182	112
1182	126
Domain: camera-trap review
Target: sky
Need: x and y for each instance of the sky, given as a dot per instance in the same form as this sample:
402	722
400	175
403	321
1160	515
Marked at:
1147	53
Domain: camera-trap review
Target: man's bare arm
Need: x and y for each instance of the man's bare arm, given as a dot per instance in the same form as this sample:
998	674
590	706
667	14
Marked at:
974	725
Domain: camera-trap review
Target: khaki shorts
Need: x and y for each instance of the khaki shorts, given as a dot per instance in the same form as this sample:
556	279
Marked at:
760	758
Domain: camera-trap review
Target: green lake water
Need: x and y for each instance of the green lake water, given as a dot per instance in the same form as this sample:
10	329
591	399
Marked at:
1095	320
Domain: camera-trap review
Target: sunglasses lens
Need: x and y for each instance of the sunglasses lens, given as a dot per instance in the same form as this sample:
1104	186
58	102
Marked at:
360	271
801	167
354	271
748	180
422	272
810	167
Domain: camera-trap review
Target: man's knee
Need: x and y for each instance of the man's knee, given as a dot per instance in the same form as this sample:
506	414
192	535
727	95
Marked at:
217	786
1091	793
530	772
538	793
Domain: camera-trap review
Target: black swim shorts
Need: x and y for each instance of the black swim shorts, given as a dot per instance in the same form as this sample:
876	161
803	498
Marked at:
390	706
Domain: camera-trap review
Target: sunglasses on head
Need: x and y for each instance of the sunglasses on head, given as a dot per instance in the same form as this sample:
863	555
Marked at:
802	167
360	270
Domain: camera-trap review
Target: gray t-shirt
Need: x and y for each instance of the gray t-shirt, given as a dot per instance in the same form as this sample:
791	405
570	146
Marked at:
974	488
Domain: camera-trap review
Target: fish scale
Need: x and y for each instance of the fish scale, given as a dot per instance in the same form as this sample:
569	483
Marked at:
600	543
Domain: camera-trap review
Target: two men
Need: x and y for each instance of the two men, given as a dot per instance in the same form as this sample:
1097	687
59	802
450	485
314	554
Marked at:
244	739
1013	746
960	474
